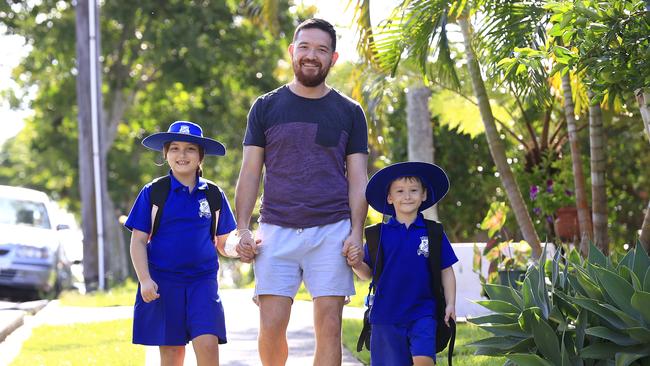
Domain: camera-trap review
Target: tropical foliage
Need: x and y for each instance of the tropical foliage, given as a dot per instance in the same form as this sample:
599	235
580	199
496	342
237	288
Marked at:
572	311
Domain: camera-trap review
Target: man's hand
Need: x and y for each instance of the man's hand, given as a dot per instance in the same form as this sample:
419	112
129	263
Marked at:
247	246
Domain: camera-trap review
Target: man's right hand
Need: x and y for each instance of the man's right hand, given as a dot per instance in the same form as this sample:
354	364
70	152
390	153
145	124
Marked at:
247	246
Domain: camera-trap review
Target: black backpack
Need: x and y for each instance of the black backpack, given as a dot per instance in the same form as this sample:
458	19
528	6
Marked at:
158	196
444	334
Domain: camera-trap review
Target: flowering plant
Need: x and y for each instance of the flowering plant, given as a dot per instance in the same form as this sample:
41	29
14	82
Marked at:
548	198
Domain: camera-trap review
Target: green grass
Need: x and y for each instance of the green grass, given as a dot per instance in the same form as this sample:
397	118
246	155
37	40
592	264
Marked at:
463	354
123	294
101	343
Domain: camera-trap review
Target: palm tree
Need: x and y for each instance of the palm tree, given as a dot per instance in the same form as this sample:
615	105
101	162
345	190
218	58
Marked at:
413	27
598	166
584	220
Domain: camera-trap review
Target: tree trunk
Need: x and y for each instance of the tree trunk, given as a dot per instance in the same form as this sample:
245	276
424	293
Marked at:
494	142
584	219
598	177
116	249
643	97
420	132
86	177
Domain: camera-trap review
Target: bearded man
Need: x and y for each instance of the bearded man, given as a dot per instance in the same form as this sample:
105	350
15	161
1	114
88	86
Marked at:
313	143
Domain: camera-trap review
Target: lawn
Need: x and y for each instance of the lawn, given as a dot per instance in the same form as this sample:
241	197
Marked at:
121	295
463	354
101	343
98	343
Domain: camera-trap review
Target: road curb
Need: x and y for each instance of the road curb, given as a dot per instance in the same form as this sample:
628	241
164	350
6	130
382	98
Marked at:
10	320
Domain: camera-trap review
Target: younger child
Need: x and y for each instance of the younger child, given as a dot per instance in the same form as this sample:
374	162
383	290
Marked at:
403	314
177	262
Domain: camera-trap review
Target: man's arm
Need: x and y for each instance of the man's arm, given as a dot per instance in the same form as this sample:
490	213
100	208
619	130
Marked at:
246	192
357	174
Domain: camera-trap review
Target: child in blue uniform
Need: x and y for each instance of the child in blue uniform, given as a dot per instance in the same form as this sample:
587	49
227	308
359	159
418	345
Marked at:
403	311
177	299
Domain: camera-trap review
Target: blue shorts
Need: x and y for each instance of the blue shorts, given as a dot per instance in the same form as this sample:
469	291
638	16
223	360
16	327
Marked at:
396	344
183	312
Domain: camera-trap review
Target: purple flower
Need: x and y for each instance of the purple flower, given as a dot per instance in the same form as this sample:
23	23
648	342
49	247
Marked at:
568	192
533	192
537	210
549	219
549	186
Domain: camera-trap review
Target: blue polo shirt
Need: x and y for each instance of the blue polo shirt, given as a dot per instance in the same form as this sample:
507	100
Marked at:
404	291
182	248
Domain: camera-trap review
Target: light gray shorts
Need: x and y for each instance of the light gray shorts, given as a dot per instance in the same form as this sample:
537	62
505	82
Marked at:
288	256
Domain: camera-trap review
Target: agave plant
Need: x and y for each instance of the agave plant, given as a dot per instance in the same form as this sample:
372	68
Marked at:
572	311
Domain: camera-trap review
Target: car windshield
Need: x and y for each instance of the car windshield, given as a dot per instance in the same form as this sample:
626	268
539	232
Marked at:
20	212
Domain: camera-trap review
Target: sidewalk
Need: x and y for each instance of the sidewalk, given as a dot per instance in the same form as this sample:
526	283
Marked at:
242	323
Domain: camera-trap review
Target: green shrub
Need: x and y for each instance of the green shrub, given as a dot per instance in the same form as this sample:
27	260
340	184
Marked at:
571	311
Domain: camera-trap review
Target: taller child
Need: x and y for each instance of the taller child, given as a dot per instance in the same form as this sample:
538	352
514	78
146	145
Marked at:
177	299
313	143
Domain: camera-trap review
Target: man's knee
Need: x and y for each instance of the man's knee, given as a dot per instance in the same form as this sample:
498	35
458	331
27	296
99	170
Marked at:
274	313
328	316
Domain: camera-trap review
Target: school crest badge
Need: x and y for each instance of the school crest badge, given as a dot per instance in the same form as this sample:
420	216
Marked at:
204	208
185	129
423	248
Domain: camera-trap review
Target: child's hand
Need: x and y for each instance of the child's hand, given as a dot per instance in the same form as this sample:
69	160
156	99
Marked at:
149	290
450	312
354	255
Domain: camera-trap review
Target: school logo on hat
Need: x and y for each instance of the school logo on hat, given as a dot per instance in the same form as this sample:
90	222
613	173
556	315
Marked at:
184	131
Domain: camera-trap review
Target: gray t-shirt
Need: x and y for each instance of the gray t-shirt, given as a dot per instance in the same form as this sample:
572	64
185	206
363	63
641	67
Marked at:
306	142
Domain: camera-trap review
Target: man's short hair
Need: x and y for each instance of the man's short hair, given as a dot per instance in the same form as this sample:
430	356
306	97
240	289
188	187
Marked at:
317	23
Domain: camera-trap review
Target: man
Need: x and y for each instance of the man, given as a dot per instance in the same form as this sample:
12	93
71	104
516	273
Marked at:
313	143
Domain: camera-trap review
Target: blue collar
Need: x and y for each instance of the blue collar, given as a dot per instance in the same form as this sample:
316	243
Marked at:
419	221
201	183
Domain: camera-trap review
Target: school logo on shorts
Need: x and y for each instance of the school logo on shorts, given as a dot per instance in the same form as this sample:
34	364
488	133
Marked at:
423	249
204	208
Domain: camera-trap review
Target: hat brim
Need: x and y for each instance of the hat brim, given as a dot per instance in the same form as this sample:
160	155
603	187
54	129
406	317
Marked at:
158	140
433	178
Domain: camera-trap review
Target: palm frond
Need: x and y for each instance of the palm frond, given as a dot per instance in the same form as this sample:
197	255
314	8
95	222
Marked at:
414	29
506	28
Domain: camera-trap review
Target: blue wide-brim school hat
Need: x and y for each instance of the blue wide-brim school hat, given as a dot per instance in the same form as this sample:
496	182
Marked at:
184	131
432	176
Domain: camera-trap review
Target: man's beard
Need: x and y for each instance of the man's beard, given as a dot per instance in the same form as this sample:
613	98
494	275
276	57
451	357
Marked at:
311	80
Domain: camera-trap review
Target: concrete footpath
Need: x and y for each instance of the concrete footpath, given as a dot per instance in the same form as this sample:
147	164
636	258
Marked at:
242	323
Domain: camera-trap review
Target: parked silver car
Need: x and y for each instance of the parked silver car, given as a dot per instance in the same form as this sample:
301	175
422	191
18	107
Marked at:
32	256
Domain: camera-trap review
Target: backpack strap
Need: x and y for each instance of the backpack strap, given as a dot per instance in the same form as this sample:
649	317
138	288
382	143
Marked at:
158	196
215	201
376	255
376	258
435	232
